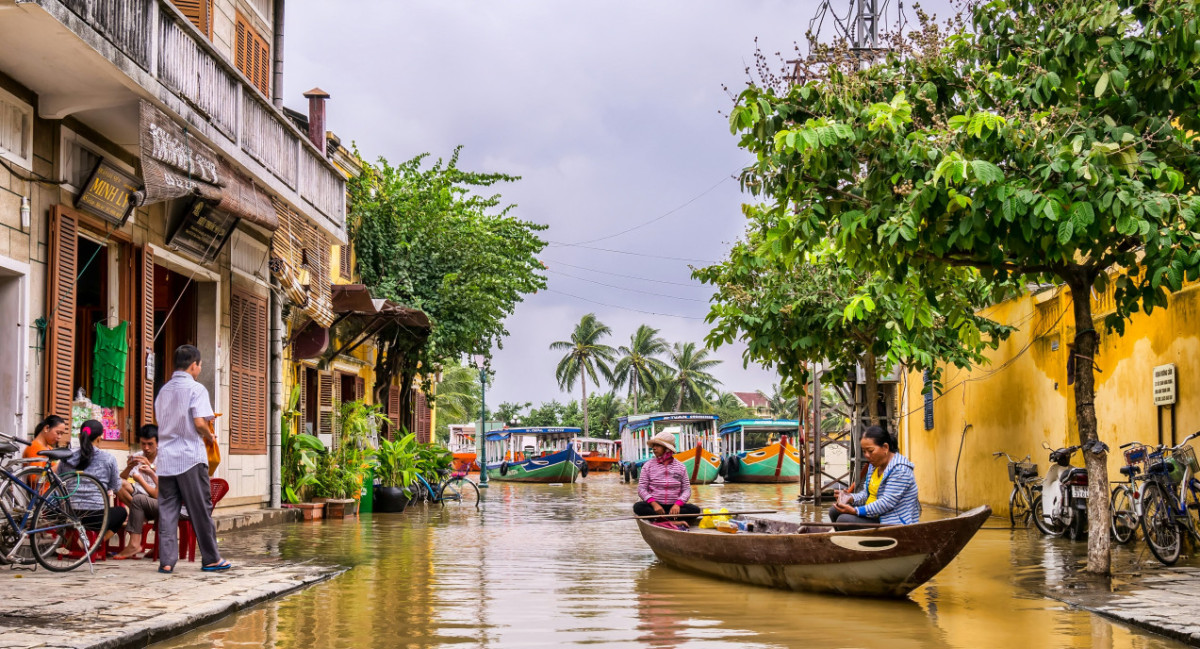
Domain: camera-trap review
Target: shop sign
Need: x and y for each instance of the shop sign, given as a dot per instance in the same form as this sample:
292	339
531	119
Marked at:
1164	385
108	194
202	231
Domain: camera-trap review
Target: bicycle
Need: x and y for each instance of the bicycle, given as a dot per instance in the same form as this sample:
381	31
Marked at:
1024	476
36	509
456	488
1125	505
1166	515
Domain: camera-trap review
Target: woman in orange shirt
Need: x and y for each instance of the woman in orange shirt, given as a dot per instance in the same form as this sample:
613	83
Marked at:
46	437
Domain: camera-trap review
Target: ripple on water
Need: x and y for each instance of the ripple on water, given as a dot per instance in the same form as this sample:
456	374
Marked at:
528	570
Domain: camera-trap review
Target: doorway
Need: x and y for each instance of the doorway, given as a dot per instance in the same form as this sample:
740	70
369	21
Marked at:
12	347
175	320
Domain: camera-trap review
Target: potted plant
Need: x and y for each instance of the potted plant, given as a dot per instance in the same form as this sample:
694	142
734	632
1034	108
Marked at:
301	453
397	470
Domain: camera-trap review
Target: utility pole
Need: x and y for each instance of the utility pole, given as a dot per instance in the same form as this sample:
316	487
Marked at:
858	22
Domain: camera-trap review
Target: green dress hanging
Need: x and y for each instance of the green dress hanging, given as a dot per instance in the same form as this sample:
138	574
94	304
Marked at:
108	369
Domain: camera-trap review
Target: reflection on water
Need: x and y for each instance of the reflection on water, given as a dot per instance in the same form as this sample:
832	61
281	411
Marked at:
530	571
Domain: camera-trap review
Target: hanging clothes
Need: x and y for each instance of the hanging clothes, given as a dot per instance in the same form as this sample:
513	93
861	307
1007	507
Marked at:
108	373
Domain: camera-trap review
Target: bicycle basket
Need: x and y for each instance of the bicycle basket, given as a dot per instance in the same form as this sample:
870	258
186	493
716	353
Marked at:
1186	456
1136	454
1019	470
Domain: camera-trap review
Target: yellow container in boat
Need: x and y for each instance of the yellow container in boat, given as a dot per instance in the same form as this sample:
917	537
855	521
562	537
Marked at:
709	522
727	527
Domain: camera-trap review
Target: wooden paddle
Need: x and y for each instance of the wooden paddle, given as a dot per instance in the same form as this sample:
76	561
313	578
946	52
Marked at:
681	515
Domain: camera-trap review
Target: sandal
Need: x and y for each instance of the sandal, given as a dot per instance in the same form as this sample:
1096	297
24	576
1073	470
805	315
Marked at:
167	570
217	567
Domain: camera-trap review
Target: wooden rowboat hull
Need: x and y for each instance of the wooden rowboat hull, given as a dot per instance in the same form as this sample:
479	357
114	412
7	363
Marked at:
879	562
600	463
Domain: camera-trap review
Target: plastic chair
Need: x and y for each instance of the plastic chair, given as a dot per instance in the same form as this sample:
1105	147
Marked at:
187	534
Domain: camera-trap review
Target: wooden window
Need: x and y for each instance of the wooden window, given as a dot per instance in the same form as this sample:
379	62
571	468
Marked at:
16	130
360	388
928	405
252	55
248	374
328	397
422	416
198	12
345	268
393	412
60	307
145	337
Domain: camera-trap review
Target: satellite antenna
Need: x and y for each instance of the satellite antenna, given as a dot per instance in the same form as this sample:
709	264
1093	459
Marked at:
858	24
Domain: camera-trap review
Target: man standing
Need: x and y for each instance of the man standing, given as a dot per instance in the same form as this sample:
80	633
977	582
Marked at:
183	412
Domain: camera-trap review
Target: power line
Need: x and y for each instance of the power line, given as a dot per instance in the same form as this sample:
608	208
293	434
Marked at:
623	288
644	279
663	216
614	306
627	252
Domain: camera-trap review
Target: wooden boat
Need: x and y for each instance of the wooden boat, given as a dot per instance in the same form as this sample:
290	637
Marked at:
462	447
534	455
810	557
696	443
759	450
599	453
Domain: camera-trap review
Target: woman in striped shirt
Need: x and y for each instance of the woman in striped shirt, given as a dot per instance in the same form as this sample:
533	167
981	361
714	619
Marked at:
890	495
663	485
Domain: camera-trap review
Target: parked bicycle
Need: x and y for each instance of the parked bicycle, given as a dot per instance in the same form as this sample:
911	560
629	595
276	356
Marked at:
1166	506
456	489
1125	505
36	514
1026	485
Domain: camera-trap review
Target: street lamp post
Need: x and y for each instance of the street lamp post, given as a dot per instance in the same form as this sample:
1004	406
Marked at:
481	434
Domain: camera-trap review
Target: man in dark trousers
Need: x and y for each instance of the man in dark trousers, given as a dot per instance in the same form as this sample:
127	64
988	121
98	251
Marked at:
183	412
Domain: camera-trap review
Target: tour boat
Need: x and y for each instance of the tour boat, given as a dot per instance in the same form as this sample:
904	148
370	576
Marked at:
462	447
696	443
878	562
759	450
600	454
534	455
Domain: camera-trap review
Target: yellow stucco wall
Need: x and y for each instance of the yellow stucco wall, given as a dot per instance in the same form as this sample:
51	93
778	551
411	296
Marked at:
1021	398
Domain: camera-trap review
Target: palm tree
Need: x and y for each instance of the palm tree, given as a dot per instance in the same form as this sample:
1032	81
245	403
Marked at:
457	395
639	365
781	407
585	355
606	408
689	380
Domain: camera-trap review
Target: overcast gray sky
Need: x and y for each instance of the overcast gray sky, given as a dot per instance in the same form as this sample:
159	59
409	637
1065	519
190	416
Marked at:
610	112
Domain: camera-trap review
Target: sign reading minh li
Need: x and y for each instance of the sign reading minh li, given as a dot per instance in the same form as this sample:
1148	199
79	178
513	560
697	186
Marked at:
108	194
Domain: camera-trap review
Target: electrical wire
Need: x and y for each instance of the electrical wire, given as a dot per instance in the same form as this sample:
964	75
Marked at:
644	279
622	288
665	215
615	306
644	255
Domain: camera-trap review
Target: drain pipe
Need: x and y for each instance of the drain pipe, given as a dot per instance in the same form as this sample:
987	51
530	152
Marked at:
277	70
275	379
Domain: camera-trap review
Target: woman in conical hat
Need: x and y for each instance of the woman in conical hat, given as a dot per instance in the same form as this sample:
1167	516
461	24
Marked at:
663	486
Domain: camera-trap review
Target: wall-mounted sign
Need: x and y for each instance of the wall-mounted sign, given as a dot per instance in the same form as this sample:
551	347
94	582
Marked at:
108	194
1164	385
202	231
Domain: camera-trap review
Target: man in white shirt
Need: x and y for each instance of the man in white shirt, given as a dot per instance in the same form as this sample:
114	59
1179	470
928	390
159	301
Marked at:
183	412
139	491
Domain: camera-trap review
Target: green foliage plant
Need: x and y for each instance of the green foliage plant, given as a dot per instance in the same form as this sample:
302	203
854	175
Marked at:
586	356
299	454
396	462
1048	141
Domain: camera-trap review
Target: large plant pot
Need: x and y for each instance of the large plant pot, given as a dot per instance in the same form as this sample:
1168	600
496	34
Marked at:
340	508
311	511
390	500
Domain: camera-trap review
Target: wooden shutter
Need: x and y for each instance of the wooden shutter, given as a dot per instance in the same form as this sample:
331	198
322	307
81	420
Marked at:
199	12
393	411
360	388
248	374
252	55
345	268
60	308
421	414
145	337
325	401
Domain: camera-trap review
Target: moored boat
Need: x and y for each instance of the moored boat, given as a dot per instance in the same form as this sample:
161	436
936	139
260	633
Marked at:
696	443
534	455
462	447
878	562
760	450
599	453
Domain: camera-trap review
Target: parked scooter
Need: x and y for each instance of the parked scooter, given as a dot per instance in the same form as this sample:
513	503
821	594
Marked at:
1061	507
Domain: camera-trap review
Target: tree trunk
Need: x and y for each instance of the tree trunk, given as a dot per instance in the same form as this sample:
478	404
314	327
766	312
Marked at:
872	378
679	398
1095	456
583	375
635	392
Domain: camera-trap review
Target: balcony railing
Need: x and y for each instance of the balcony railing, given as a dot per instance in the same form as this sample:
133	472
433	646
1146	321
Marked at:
156	37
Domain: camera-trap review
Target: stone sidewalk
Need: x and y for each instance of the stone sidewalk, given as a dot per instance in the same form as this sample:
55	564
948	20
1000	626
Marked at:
1159	599
128	603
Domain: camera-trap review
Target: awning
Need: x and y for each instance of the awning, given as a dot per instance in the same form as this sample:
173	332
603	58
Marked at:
289	280
175	164
356	299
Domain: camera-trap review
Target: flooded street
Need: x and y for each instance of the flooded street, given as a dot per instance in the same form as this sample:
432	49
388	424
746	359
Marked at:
527	570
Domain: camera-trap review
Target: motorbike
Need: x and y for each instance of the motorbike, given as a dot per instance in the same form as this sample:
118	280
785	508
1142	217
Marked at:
1061	507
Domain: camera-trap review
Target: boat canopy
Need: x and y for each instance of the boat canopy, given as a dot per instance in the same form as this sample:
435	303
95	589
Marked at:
641	421
759	424
550	431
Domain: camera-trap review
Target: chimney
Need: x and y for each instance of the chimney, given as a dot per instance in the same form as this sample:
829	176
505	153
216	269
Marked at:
316	117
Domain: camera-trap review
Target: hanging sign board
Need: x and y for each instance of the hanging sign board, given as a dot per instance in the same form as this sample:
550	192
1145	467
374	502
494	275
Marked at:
108	194
1164	385
202	231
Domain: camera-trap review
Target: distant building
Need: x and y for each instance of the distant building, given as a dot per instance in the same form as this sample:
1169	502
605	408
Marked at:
755	401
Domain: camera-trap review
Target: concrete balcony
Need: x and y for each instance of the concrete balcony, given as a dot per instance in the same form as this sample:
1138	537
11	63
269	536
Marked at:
94	60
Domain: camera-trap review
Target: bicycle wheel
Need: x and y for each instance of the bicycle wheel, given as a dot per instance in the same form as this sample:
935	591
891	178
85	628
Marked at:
459	491
1047	526
60	541
15	502
1158	524
1124	518
1019	512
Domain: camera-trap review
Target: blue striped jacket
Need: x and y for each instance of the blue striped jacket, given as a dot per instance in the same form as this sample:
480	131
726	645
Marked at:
896	503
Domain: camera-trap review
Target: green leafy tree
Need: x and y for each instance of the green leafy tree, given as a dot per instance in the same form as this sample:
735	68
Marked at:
549	413
689	384
585	356
424	236
781	405
508	411
605	409
1047	140
640	365
729	408
457	396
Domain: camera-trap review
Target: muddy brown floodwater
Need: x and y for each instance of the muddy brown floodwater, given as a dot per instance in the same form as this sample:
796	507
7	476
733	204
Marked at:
529	570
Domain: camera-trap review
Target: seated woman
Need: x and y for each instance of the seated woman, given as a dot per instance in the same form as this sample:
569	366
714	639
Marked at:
102	466
890	496
46	436
663	485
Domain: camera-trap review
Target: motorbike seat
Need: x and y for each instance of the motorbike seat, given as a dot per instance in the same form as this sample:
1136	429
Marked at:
1130	470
